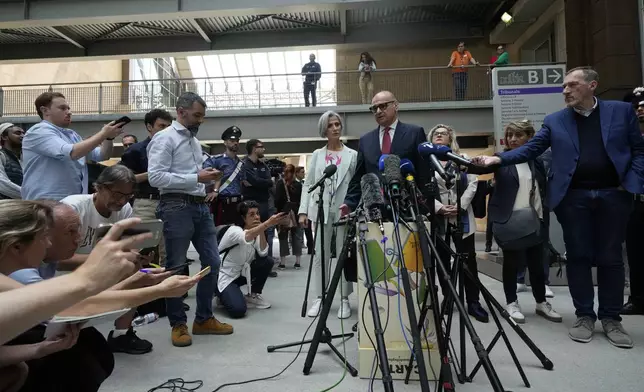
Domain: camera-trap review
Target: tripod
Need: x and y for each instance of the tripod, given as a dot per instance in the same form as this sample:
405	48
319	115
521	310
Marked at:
322	333
379	332
430	255
417	351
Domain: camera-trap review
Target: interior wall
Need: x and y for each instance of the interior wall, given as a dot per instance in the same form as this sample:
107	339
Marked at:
65	72
417	85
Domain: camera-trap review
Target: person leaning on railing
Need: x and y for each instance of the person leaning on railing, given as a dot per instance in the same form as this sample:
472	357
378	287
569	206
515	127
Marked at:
366	67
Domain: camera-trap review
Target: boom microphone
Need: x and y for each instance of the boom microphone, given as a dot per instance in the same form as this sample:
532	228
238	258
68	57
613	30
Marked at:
444	153
392	175
372	198
328	172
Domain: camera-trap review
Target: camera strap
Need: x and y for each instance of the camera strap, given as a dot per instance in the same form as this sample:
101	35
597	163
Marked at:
232	177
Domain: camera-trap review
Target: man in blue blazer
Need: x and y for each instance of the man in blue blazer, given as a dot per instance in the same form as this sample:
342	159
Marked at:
597	166
391	137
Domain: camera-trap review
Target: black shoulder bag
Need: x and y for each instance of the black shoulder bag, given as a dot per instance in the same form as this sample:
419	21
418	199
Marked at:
523	229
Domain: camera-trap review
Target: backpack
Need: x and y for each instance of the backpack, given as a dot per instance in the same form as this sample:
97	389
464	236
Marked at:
219	232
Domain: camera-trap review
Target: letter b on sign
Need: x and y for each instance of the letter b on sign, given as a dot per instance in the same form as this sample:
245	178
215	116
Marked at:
533	77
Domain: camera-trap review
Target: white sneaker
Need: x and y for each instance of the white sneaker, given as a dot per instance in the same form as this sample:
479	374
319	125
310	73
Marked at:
515	312
521	287
256	301
549	293
314	310
544	310
345	310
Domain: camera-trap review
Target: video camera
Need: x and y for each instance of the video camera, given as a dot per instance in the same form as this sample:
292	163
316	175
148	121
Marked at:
275	166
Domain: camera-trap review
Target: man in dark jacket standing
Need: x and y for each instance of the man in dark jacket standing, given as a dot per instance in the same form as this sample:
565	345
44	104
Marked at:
312	73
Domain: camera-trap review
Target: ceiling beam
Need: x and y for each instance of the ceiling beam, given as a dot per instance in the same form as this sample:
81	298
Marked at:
67	36
162	29
253	19
188	45
29	35
48	13
305	22
202	32
343	21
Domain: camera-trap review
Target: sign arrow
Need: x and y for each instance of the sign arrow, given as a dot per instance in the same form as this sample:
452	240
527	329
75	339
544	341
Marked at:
554	75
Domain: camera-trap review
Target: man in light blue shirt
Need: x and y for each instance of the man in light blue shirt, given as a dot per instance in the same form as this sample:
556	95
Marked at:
175	162
55	157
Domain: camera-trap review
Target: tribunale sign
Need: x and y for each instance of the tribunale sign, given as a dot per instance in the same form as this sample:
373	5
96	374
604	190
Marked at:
525	92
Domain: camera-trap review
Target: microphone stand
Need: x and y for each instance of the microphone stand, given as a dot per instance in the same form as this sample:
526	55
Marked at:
322	333
394	203
379	332
445	377
445	380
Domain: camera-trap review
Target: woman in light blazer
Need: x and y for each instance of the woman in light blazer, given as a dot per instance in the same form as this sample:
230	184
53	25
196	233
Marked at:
446	207
336	153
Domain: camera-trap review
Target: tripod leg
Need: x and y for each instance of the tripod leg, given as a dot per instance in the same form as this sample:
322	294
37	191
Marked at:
491	301
337	352
327	301
421	322
270	349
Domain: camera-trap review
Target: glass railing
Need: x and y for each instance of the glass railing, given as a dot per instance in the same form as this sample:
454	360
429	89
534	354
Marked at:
428	84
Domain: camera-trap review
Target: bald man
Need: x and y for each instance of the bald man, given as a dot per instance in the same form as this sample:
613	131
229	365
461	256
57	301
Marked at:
390	137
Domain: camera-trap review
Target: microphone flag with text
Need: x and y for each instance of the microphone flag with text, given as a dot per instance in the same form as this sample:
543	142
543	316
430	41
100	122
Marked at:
372	198
327	173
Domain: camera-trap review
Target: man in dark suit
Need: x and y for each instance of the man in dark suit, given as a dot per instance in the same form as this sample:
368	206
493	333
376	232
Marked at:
391	137
597	166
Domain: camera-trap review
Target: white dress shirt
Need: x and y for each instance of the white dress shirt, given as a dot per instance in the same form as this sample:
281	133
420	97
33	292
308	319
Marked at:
392	130
174	161
238	259
587	112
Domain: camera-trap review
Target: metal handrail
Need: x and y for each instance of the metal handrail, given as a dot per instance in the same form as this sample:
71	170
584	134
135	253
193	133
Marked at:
380	70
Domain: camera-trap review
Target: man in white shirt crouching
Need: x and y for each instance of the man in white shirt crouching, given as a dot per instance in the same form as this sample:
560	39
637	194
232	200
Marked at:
244	252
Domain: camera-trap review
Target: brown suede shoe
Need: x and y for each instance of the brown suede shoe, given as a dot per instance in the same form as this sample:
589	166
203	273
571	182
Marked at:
212	326
180	336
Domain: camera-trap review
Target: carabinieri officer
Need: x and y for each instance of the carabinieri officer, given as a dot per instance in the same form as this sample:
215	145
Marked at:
226	194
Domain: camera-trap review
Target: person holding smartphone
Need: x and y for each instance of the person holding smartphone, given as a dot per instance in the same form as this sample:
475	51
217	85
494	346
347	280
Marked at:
55	157
110	204
245	261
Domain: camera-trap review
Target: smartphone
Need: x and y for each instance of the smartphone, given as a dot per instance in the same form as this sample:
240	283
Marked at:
203	272
146	251
123	120
154	226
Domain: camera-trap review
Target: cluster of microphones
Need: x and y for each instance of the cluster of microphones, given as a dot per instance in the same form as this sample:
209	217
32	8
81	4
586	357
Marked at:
392	170
398	176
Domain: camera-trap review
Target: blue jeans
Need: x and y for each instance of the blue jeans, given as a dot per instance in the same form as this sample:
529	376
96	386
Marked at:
594	228
185	222
232	297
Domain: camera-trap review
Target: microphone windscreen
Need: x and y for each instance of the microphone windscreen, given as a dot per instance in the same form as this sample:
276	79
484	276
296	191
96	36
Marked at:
371	191
392	169
427	148
381	163
406	167
330	170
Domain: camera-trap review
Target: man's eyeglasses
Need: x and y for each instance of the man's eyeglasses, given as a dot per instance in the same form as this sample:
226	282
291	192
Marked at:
120	195
382	106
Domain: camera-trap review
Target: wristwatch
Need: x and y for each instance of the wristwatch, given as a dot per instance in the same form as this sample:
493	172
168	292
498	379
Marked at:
216	190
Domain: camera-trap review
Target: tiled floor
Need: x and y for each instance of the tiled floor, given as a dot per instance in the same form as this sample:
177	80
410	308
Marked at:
596	366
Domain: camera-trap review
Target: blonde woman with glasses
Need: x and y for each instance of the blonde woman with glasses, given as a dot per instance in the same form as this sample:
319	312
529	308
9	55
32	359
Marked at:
463	187
517	188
